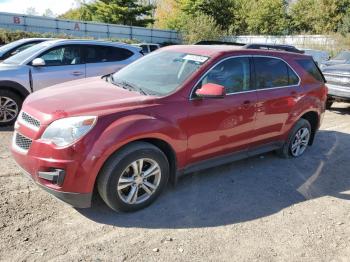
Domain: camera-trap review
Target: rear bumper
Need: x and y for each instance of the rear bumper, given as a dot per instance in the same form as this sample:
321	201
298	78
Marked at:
79	200
338	91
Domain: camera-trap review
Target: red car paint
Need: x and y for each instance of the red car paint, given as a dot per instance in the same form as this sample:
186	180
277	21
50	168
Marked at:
196	130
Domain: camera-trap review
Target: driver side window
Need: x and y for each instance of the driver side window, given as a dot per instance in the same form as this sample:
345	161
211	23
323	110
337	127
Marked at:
233	74
62	55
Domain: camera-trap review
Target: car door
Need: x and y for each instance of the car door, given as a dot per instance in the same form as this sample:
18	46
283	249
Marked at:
62	63
277	90
104	60
220	126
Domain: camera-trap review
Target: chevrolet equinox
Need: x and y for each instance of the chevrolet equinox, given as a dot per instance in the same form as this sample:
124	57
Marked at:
178	110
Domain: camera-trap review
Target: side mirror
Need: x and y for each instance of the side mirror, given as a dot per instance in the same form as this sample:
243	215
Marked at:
211	90
38	62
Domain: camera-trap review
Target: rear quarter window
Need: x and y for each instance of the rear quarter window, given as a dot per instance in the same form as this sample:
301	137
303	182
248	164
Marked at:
273	72
311	68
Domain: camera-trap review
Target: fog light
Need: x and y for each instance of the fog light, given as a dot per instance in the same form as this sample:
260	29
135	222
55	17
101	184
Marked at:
56	176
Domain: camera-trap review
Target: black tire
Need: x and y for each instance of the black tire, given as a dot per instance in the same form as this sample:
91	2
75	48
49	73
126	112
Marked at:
4	93
285	150
329	104
113	169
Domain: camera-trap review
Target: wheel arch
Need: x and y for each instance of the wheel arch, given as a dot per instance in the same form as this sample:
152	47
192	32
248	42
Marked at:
314	119
15	87
163	145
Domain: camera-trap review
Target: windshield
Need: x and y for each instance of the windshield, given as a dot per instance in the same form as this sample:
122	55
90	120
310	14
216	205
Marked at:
160	73
343	56
20	57
5	48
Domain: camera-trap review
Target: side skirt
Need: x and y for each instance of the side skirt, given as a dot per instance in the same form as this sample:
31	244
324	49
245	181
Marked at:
225	159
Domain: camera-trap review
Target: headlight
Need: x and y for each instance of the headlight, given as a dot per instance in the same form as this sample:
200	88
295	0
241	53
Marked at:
66	131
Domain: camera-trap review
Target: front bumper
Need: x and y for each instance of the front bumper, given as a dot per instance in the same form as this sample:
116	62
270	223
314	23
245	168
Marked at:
338	91
79	200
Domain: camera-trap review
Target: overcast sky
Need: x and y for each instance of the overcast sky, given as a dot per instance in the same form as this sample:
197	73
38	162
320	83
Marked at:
21	6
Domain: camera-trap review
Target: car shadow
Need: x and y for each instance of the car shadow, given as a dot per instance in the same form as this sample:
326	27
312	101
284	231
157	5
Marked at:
243	190
340	110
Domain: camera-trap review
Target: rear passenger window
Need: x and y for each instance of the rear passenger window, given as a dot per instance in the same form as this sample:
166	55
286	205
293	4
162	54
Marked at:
233	74
144	48
310	67
153	47
273	72
100	54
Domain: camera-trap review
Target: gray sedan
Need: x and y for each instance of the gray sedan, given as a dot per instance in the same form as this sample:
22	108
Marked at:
54	62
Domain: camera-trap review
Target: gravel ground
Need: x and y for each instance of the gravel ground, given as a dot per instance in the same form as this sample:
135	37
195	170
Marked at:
259	209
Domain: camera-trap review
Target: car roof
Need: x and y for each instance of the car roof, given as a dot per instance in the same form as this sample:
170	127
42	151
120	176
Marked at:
35	39
85	41
216	50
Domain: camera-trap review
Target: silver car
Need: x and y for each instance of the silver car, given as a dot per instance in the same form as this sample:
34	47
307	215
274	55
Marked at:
15	47
54	62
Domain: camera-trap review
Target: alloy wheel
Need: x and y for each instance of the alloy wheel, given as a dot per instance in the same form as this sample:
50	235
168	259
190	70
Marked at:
300	142
139	181
8	109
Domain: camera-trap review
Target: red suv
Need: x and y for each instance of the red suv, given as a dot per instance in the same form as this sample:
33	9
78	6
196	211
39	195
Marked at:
175	111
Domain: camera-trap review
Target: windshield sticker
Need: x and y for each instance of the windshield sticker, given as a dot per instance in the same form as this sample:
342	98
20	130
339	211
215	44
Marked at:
196	58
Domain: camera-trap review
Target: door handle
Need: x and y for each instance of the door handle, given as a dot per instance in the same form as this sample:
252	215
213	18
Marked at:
77	73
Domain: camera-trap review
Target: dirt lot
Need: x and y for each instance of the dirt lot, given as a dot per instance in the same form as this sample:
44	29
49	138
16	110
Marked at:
260	209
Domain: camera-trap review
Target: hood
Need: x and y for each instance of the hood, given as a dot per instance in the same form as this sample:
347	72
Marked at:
10	67
90	96
342	69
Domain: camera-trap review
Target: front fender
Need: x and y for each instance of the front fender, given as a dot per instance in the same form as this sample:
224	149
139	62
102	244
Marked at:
116	134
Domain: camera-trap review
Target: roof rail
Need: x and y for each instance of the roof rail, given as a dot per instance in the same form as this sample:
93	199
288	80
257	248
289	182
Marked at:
210	42
288	48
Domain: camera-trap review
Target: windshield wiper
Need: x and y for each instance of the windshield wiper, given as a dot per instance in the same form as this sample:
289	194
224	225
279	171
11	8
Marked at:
129	86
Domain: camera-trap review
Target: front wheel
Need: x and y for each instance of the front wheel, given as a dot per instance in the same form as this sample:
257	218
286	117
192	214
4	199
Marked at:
10	105
298	140
134	177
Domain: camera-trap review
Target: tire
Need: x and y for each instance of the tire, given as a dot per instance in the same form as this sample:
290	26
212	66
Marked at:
10	106
329	104
288	150
118	178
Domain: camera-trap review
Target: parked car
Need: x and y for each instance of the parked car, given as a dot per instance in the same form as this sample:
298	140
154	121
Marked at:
15	47
128	134
342	58
147	48
338	83
54	62
319	56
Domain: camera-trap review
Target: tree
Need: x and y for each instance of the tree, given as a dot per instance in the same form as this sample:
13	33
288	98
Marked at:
168	15
201	27
126	12
344	25
31	11
319	16
267	17
48	12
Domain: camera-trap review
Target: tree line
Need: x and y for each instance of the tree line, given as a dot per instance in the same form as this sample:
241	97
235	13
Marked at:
198	19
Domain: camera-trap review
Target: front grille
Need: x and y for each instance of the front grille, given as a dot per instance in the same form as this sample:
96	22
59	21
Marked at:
338	80
28	119
22	142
